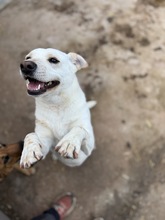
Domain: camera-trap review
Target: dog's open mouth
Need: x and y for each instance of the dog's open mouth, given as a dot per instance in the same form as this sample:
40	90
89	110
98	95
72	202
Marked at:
35	87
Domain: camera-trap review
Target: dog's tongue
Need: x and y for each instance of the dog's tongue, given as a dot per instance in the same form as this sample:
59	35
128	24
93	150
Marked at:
35	85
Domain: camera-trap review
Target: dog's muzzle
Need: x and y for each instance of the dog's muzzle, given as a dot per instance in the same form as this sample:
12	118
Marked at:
34	86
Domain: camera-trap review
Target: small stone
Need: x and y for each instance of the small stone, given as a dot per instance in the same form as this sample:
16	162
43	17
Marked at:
9	206
148	123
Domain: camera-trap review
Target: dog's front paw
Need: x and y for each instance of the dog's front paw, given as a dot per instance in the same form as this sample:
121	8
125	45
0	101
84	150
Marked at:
68	148
30	155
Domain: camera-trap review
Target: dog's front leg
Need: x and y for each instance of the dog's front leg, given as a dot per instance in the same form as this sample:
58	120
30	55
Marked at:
32	151
36	145
70	144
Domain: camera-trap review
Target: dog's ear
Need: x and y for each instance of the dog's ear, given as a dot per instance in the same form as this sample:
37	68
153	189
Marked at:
78	60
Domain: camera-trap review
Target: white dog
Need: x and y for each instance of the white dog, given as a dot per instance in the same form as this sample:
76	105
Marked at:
62	113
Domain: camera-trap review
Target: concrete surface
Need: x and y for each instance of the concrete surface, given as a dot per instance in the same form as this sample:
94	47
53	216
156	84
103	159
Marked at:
124	44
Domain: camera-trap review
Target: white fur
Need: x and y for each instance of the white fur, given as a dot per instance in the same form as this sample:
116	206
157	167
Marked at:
62	114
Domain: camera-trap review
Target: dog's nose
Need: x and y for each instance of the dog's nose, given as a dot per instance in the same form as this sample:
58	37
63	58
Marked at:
28	67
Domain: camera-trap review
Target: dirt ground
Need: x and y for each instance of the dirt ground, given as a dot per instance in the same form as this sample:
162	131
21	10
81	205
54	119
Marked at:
124	44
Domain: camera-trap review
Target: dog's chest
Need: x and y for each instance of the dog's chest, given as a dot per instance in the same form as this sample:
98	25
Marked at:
56	120
59	127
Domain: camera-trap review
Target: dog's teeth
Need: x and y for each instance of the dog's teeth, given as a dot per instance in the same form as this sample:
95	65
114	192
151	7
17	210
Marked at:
27	82
39	86
49	83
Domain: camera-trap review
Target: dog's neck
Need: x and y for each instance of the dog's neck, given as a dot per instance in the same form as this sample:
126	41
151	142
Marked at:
62	97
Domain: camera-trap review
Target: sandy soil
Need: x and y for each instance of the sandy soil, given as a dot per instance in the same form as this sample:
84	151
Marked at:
123	42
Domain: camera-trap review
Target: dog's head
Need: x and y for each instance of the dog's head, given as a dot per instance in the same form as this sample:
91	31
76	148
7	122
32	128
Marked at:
46	70
9	155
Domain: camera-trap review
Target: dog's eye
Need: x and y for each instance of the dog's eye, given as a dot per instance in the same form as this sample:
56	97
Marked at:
27	58
6	159
53	60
